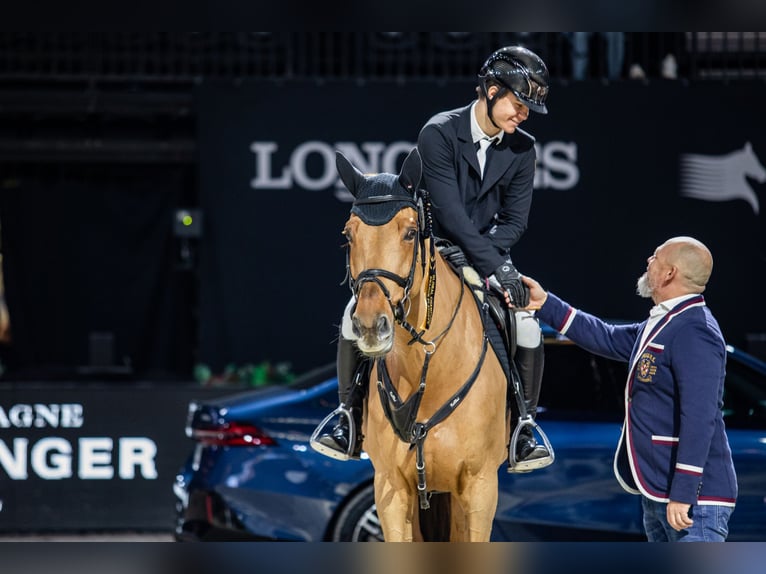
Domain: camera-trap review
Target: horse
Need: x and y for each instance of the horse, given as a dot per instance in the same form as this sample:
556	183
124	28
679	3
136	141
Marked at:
439	423
722	178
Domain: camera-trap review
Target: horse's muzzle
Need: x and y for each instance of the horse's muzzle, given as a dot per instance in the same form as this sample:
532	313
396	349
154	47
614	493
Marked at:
375	340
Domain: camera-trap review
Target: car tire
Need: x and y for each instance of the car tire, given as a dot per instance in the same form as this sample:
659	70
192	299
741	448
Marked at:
358	519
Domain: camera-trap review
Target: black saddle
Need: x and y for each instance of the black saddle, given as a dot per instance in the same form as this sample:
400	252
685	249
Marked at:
501	330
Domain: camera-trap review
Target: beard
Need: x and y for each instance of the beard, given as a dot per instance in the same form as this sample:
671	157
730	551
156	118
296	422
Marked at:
643	288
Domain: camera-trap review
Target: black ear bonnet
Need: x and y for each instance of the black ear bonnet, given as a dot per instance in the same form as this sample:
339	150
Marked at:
380	196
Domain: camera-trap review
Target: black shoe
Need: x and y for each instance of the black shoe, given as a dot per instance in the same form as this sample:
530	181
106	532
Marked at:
335	444
528	449
338	438
529	454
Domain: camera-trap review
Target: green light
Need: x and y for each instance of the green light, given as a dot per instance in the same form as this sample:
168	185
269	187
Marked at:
187	220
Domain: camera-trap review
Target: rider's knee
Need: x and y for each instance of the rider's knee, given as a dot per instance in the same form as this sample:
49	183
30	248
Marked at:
528	332
346	330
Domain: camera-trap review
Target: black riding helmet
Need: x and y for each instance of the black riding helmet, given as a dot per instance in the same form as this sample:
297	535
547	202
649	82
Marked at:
519	70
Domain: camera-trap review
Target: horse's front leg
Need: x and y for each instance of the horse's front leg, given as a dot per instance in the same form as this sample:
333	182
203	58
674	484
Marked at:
479	503
396	508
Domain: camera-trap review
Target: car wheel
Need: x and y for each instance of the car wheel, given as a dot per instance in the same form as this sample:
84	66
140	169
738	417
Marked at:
358	519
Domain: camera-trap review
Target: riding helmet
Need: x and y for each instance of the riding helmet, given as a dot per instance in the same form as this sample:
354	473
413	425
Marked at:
519	70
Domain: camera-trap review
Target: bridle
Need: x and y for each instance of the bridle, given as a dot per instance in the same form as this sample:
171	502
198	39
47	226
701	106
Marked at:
401	309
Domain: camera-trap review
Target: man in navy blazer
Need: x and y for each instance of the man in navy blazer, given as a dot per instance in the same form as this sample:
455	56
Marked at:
479	169
673	451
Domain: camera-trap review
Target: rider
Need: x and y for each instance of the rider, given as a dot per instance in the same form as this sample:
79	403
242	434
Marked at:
482	210
479	168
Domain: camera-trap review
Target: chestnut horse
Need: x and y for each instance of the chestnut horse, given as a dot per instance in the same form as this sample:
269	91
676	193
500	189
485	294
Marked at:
438	422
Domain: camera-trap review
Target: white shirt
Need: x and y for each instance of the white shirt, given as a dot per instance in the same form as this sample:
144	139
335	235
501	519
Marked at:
484	140
658	312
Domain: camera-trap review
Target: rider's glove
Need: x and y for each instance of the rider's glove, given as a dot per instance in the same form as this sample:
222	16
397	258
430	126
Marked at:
509	280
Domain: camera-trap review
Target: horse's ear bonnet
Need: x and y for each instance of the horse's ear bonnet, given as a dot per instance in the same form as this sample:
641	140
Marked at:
381	196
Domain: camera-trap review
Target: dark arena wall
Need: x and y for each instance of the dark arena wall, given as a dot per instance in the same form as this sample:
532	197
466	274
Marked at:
170	213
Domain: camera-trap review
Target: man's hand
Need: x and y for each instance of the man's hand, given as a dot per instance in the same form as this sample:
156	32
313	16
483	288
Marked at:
509	279
537	295
678	515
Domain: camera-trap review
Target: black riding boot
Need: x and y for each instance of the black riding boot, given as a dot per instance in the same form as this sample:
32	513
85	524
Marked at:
352	371
529	363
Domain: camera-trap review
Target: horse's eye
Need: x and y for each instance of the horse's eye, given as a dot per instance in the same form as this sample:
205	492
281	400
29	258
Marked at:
410	234
347	234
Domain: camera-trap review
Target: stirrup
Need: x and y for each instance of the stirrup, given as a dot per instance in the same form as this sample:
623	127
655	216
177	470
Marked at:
515	465
331	452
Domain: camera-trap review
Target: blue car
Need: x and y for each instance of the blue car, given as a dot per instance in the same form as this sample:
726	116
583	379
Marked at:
252	475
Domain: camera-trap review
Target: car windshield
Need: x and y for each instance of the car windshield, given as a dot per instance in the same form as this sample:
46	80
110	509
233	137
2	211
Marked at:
744	399
578	385
313	377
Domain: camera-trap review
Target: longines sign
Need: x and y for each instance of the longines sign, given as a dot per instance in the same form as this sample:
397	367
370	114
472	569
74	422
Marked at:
556	164
55	457
93	455
613	185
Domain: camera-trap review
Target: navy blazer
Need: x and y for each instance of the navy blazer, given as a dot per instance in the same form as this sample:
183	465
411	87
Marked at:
451	174
673	444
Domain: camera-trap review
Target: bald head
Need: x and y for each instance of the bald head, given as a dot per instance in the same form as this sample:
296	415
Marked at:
693	260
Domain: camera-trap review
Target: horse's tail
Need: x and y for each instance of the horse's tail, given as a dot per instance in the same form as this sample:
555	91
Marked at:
435	523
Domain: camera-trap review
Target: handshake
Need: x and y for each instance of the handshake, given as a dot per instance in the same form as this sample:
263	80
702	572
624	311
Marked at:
507	279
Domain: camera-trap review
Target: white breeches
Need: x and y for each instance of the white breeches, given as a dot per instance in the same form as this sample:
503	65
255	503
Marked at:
528	332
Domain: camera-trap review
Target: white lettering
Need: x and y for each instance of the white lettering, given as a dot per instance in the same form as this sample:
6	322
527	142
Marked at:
47	413
95	458
137	451
556	165
298	163
368	157
366	163
51	458
312	165
60	458
14	464
21	416
72	416
392	153
263	152
39	416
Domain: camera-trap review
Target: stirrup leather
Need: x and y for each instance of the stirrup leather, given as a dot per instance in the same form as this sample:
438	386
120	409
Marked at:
515	465
331	452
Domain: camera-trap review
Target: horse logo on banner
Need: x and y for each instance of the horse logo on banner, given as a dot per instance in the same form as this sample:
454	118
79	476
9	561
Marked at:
722	178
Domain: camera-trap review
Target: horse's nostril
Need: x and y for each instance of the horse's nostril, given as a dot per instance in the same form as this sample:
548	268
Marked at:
383	325
355	329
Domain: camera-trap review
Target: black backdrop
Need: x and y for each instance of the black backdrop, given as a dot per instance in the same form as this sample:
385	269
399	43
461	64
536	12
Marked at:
91	249
608	193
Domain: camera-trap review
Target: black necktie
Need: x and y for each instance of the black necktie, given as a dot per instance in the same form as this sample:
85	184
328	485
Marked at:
483	150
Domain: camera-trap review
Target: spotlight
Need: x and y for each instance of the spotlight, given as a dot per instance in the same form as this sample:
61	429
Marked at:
187	222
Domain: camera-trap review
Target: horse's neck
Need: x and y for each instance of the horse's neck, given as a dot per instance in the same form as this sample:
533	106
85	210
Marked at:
446	300
447	330
447	295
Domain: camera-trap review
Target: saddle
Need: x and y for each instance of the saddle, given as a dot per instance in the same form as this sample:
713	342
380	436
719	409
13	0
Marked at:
503	336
